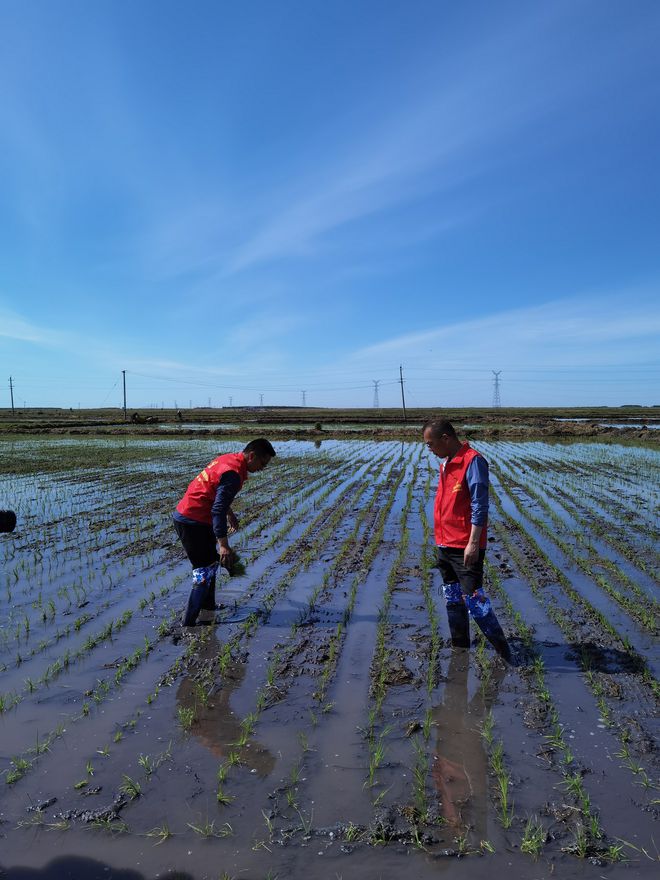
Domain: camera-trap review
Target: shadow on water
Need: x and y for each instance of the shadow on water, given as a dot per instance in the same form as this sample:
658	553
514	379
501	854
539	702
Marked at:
216	727
460	769
79	868
294	611
574	658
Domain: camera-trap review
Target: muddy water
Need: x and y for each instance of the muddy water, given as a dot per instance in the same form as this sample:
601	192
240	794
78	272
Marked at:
299	782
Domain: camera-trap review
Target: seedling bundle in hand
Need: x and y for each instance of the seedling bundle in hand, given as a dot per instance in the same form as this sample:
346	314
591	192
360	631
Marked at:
237	567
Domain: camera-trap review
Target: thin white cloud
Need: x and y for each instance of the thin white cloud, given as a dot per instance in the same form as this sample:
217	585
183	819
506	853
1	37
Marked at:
593	330
459	117
13	326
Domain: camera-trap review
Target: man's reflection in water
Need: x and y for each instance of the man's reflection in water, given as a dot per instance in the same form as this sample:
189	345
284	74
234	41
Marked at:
215	726
460	771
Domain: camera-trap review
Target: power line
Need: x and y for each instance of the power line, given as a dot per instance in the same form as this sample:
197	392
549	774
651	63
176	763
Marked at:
233	387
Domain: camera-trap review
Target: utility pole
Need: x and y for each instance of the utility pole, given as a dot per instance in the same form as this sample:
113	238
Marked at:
11	391
303	398
376	400
496	389
403	399
261	400
209	403
123	373
231	401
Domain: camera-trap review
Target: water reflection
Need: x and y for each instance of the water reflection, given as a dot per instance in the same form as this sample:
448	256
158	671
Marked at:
460	769
215	726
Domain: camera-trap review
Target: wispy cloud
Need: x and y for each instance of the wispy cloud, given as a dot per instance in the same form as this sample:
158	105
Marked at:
452	130
594	330
14	326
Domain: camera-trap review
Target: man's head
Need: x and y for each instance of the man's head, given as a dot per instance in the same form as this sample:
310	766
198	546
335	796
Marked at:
257	454
440	437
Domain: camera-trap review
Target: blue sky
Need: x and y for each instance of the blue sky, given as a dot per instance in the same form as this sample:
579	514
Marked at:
225	199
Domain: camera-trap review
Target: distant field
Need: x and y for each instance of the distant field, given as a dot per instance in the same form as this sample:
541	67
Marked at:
322	726
308	422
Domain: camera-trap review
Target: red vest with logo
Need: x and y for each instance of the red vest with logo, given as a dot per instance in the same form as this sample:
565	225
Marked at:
200	494
452	514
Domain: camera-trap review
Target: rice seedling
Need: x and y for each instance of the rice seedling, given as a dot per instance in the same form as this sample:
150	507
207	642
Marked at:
186	717
130	787
207	829
222	797
534	837
161	833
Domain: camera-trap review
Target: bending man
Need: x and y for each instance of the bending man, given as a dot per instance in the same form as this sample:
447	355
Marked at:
460	520
202	515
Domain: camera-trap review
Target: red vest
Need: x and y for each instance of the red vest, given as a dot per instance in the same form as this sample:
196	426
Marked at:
200	494
452	514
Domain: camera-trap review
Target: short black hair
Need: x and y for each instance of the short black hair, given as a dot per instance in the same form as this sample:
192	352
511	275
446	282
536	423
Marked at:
439	427
261	447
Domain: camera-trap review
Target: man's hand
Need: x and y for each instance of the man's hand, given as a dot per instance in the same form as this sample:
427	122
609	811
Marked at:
227	555
232	522
471	554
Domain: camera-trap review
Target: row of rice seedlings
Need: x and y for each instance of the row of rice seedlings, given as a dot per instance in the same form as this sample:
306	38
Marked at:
376	742
379	661
504	531
263	694
535	836
600	484
249	626
69	657
371	550
620	729
85	590
608	528
420	765
313	501
625	543
333	646
95	696
642	608
187	716
62	663
143	603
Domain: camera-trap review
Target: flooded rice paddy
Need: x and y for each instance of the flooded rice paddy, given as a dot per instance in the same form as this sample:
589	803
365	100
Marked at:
320	726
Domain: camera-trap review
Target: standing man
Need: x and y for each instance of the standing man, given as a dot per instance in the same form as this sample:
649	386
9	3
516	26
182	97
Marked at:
202	515
460	519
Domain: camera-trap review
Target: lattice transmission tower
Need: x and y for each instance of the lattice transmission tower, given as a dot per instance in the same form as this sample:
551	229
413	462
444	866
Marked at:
376	400
304	398
497	403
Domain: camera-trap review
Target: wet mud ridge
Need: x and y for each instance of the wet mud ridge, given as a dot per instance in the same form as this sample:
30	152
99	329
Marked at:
319	724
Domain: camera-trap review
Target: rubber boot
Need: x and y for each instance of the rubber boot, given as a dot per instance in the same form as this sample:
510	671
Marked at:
459	624
209	599
480	609
490	627
203	582
457	615
195	603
